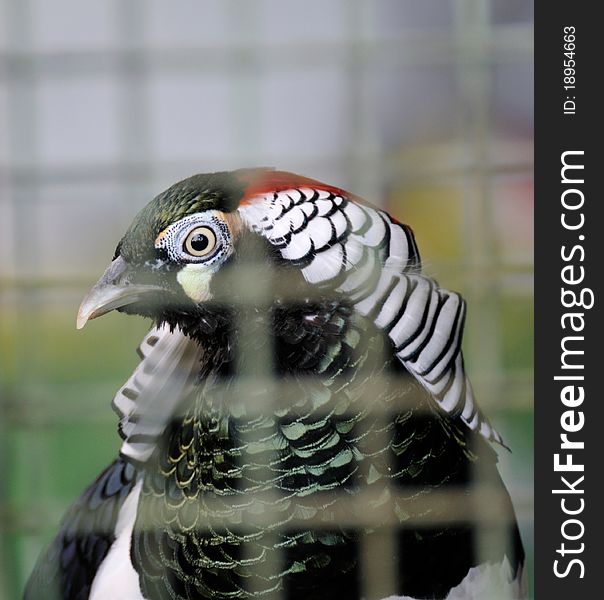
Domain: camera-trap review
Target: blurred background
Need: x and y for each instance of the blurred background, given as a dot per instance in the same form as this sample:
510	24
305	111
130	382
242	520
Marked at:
424	107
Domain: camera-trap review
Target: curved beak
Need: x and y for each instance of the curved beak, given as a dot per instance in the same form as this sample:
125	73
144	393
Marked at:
113	290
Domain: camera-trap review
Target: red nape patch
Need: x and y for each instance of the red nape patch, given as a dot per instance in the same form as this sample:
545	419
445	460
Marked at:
263	181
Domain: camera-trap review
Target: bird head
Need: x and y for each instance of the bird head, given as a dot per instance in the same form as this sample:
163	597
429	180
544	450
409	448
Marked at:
179	247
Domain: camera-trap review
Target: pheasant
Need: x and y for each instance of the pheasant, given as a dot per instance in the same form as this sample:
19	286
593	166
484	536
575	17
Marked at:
301	406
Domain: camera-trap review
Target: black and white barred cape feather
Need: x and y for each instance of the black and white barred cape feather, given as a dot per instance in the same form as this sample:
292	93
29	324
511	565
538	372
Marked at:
340	243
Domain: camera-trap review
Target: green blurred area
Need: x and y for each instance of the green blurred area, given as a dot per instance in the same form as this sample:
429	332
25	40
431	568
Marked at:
58	430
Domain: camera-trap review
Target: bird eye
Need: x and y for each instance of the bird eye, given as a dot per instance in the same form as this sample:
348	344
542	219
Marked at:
200	241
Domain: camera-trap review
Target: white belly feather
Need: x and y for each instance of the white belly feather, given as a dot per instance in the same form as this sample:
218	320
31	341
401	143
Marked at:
116	578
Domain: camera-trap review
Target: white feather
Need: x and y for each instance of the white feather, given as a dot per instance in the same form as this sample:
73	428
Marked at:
325	267
376	233
320	231
299	247
281	227
356	215
339	222
392	304
398	254
325	206
411	319
161	382
441	335
116	578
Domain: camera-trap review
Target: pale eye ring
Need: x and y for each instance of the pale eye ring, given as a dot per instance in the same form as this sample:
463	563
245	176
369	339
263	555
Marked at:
200	241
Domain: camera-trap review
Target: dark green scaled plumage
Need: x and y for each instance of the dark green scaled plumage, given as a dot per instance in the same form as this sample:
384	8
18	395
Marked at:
235	489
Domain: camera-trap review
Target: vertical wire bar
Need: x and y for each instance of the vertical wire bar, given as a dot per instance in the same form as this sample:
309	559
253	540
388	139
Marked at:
254	362
472	25
364	164
131	73
244	79
365	173
474	81
255	365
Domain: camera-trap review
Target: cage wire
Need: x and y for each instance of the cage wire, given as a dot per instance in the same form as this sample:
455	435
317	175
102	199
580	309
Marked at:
102	105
